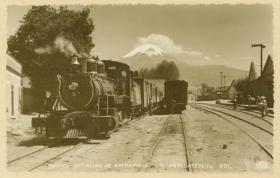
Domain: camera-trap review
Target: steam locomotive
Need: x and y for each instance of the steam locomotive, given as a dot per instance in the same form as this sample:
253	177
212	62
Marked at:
94	97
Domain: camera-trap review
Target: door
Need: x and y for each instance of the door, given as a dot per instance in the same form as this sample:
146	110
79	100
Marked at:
12	99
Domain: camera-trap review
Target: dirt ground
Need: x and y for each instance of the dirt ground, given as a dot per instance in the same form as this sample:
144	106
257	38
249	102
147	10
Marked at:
21	138
217	142
215	146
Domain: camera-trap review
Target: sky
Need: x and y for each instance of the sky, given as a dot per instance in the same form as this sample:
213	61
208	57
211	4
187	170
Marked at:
195	34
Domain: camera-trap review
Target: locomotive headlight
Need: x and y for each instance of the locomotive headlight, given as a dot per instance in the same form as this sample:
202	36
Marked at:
73	86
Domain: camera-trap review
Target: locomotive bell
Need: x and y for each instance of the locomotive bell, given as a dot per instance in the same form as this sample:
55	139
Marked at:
74	61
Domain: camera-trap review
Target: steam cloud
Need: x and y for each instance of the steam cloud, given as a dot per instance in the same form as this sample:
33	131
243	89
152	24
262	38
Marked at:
60	44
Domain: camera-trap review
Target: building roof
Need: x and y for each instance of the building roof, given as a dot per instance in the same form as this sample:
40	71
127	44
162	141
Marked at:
268	67
222	89
255	71
226	88
13	65
10	55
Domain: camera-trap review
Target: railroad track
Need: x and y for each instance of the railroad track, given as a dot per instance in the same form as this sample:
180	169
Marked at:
43	156
249	112
250	131
173	130
261	124
55	147
31	153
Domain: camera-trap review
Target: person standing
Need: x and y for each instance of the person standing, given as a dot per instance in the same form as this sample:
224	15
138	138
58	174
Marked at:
173	104
234	102
161	106
257	100
262	106
249	100
151	106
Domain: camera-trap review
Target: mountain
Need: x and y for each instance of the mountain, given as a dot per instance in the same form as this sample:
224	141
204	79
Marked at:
145	56
147	49
148	56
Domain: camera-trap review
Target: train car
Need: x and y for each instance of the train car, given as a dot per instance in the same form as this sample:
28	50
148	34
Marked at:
175	96
148	91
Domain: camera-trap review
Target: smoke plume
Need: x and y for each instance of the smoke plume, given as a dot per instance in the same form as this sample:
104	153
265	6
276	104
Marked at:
60	44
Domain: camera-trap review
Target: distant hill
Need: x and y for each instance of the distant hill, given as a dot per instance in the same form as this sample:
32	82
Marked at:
148	56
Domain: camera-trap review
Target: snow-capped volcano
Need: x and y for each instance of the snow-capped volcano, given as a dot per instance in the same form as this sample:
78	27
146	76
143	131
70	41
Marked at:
147	49
149	56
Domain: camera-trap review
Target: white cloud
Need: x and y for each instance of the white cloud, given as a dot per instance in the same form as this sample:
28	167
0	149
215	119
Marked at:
166	44
207	58
217	55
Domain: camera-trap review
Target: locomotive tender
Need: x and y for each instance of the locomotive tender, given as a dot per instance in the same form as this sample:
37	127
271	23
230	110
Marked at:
94	97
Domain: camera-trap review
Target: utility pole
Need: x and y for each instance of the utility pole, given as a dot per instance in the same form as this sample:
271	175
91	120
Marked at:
224	84
221	83
262	46
196	91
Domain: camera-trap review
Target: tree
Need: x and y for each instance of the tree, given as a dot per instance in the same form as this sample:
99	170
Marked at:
164	70
47	38
242	86
205	89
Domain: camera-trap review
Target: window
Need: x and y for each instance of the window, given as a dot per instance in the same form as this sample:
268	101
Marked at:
123	73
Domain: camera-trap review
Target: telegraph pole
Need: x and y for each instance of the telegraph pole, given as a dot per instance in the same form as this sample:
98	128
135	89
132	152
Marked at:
224	83
221	83
262	46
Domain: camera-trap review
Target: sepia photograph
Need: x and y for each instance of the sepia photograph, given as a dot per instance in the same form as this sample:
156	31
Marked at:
140	88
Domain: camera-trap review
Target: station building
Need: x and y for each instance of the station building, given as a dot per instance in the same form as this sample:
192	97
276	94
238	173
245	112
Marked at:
261	83
13	86
226	92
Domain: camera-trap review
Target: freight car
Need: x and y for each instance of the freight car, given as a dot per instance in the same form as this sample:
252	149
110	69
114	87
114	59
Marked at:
93	97
175	96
